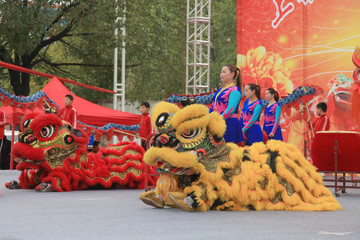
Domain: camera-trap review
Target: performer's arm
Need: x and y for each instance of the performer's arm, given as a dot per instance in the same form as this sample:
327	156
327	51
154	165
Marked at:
234	100
74	118
213	103
148	127
325	123
277	118
241	118
212	107
255	116
60	113
312	119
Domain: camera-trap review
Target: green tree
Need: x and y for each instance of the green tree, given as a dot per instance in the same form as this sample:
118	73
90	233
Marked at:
30	28
75	39
223	38
155	53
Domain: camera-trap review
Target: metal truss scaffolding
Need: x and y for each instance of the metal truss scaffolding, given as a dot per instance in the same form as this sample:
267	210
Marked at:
198	46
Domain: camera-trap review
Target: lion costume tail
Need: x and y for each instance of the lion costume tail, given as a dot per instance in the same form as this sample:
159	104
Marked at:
282	179
120	164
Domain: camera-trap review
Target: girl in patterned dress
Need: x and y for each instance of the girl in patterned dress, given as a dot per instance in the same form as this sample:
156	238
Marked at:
226	102
272	115
250	115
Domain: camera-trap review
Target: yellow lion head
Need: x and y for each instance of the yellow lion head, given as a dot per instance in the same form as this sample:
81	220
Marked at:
183	137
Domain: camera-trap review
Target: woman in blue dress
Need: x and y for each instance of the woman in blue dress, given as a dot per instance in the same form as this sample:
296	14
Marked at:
272	115
226	102
250	115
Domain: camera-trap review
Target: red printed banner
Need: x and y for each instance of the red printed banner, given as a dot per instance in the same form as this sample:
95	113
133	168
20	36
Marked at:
289	43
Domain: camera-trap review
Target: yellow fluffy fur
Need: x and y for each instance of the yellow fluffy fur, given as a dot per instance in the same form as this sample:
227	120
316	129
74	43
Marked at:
275	176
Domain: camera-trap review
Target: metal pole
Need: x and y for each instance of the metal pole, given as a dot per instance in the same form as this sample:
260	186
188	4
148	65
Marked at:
208	51
187	47
195	47
116	58
115	77
120	88
123	61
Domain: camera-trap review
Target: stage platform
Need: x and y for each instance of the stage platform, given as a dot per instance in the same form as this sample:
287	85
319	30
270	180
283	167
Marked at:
119	214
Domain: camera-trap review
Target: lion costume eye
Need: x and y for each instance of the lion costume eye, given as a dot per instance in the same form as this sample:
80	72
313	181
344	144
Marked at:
26	123
192	133
47	131
161	119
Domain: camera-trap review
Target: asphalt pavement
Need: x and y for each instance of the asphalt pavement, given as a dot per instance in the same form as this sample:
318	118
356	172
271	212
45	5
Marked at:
119	214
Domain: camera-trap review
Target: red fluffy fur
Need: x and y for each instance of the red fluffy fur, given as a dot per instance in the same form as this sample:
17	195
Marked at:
95	169
22	150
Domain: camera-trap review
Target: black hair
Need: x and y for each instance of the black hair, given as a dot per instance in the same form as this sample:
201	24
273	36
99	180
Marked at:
146	104
95	143
322	106
255	88
275	93
70	97
237	75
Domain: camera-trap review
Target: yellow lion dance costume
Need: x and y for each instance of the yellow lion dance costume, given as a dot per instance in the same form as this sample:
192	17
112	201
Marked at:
200	171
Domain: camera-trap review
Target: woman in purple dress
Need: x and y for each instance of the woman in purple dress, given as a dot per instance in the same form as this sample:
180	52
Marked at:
250	115
272	115
226	102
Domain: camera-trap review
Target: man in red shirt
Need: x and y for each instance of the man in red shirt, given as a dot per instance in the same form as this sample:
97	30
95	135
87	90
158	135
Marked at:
145	124
322	123
68	113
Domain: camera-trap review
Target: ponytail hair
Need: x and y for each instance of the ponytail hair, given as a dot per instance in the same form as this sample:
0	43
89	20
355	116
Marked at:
275	93
255	88
237	76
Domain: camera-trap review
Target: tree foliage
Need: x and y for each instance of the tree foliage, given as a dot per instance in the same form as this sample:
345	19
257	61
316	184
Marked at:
223	38
75	39
29	28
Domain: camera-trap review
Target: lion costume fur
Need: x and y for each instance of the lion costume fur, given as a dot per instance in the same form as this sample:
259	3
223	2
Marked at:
200	171
54	157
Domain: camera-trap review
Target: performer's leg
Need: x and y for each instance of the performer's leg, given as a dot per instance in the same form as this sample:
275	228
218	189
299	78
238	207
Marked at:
2	161
144	145
150	198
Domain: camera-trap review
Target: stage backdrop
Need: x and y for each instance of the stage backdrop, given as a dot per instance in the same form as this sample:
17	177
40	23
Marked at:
289	43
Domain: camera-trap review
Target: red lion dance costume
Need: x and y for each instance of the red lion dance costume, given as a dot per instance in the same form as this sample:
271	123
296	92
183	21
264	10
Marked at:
355	102
53	157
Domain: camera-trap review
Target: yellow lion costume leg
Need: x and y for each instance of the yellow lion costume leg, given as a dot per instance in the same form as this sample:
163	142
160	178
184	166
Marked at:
159	198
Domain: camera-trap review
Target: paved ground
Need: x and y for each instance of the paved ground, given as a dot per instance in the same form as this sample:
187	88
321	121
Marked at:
119	214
